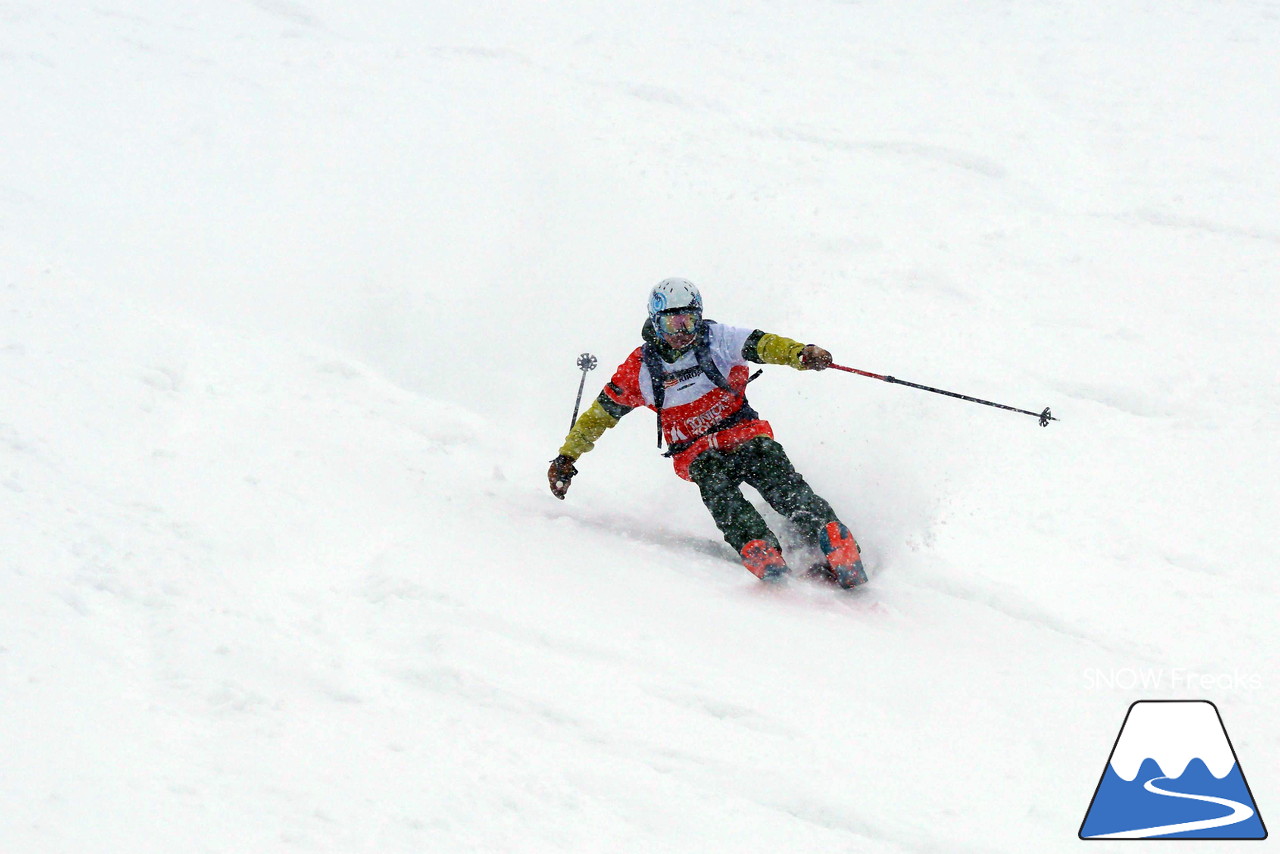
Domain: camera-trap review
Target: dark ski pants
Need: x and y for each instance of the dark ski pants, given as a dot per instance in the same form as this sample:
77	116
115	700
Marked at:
762	464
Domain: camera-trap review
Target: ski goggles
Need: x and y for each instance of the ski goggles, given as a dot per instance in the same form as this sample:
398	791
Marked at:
678	322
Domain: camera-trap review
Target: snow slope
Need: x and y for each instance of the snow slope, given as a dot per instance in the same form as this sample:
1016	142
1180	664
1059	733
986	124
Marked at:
292	291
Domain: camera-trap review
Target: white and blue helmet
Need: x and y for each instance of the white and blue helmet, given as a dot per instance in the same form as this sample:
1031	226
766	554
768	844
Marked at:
674	295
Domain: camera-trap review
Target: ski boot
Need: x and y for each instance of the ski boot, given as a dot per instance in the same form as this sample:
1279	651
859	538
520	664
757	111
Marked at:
842	555
764	560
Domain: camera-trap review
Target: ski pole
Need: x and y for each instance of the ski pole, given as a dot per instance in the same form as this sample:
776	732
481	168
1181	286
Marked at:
1045	417
586	362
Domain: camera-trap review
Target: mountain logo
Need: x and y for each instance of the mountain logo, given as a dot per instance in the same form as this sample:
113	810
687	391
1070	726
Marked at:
1173	774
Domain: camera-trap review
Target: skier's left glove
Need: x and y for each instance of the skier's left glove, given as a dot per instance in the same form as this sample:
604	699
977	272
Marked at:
814	358
560	474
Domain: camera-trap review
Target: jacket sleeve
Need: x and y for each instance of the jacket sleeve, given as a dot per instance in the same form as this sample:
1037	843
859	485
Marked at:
765	348
589	427
621	395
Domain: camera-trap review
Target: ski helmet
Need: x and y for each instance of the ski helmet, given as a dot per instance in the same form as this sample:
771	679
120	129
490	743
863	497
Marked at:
672	295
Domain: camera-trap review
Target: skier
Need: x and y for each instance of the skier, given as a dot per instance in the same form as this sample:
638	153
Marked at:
693	372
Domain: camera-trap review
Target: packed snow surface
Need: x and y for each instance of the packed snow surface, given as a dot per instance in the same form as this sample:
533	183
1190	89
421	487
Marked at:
291	296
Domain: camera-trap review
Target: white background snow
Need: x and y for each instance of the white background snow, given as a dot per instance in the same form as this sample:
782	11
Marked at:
290	297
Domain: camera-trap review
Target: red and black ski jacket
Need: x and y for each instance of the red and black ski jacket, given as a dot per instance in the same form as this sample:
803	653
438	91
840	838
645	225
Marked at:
699	395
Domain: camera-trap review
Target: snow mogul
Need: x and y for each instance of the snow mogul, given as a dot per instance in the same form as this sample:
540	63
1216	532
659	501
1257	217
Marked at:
693	373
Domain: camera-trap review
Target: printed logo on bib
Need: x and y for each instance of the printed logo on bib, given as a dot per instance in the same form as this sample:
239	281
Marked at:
705	421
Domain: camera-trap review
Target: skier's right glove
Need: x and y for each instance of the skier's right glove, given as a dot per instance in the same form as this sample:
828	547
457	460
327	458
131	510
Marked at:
814	358
560	474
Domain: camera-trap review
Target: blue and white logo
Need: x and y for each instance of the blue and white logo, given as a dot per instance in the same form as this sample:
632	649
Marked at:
1173	774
